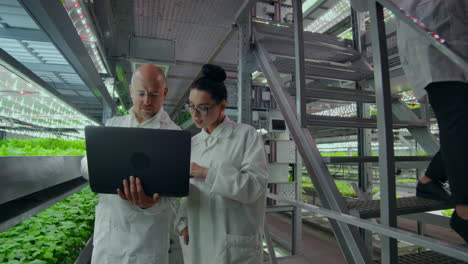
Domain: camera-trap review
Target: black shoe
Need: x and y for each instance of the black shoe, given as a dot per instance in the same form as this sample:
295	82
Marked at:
459	225
432	190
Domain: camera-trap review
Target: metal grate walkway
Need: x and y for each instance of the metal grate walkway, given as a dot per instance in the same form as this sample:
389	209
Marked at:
426	257
406	205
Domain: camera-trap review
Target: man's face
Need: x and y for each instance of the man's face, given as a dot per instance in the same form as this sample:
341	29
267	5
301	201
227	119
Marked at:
148	93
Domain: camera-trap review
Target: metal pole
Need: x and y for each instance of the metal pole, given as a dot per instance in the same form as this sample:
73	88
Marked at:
277	11
244	77
358	27
269	242
363	135
384	125
297	212
106	112
301	112
299	54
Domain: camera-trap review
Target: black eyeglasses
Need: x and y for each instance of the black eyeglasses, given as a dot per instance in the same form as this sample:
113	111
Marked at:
203	110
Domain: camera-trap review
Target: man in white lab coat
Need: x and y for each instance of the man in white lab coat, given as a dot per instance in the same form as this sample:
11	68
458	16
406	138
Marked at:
429	72
134	228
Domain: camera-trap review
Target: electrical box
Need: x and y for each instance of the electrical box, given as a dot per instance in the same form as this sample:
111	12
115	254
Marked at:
287	189
279	172
285	151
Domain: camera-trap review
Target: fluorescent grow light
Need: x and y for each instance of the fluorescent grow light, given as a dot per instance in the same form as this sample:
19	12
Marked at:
27	108
86	32
330	18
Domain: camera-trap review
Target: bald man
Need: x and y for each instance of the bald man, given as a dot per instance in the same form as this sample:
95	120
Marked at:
134	228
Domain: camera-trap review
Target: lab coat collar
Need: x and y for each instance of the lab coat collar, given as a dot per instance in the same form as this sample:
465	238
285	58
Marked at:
158	117
223	130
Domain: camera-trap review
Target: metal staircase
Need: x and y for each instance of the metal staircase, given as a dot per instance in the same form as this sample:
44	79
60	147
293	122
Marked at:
279	50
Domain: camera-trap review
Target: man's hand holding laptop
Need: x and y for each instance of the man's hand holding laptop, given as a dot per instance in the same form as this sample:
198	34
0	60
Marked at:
134	193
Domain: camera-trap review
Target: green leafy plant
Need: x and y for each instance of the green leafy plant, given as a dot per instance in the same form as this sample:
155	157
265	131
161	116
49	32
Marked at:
56	235
447	212
413	106
406	180
41	147
337	154
182	118
344	188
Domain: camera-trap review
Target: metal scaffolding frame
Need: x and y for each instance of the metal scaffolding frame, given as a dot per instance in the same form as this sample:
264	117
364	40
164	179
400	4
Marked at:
455	251
344	226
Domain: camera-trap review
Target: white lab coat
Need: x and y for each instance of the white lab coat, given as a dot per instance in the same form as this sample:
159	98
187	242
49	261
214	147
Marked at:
123	232
423	63
225	212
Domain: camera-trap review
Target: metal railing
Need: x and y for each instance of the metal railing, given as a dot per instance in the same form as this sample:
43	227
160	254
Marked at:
445	248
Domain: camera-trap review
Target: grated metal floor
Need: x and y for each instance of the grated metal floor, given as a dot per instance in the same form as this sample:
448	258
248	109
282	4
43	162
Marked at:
326	56
426	257
406	205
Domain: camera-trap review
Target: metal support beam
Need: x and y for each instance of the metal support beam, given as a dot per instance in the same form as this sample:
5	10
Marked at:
364	137
23	34
351	244
106	112
244	72
54	20
300	113
277	6
310	6
50	68
297	212
422	134
67	86
269	242
299	61
385	130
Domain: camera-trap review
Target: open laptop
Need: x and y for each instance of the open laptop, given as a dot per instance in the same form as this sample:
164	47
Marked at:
160	158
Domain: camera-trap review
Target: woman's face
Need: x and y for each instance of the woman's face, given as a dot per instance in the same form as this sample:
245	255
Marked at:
203	108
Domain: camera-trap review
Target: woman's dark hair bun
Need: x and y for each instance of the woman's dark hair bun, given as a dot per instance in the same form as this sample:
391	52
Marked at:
213	72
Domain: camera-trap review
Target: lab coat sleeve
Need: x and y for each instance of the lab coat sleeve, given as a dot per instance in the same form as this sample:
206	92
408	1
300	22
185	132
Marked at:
84	168
247	183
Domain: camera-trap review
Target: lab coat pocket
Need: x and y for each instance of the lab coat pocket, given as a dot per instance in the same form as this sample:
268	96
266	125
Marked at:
243	249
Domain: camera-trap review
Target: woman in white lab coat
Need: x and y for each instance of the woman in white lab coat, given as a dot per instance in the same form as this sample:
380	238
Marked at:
221	221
